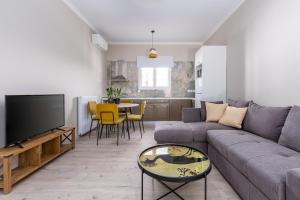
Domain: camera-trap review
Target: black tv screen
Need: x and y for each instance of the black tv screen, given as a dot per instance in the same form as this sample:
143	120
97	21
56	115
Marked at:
30	115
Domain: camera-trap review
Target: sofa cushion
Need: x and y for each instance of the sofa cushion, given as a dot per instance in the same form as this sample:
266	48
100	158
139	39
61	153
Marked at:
269	173
238	103
223	140
292	184
265	121
214	111
290	136
240	154
233	117
239	147
262	161
190	115
203	109
200	129
173	132
180	132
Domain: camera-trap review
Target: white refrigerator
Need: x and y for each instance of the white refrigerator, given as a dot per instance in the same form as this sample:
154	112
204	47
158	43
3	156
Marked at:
210	74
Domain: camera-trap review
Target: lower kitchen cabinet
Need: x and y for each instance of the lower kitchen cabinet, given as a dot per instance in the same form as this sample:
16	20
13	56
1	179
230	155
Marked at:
164	109
176	106
149	112
161	111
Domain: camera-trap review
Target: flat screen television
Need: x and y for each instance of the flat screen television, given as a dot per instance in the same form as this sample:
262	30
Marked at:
31	115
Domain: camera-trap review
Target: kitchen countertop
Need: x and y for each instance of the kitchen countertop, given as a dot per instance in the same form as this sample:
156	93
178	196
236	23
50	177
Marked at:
141	98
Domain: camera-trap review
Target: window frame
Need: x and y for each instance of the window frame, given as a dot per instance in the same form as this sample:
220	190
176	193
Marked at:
154	79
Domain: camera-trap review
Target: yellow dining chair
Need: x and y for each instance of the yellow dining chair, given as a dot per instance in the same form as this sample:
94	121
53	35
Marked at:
123	111
109	117
139	117
92	108
126	101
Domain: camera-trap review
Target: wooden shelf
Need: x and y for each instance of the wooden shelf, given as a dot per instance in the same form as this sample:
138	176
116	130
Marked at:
35	154
21	172
65	147
11	151
47	158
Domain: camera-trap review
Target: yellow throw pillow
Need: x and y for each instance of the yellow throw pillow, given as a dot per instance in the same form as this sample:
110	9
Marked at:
214	112
233	117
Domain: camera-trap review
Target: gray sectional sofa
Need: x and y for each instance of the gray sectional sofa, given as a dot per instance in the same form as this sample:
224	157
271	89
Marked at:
261	161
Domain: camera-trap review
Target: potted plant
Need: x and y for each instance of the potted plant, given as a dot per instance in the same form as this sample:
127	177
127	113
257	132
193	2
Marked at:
117	95
110	95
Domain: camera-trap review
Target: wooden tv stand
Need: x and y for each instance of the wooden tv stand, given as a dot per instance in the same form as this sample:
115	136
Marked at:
36	153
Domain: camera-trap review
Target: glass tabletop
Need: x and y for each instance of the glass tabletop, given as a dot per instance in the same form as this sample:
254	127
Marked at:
174	163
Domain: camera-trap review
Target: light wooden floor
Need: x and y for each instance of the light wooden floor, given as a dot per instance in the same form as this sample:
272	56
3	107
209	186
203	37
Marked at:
108	172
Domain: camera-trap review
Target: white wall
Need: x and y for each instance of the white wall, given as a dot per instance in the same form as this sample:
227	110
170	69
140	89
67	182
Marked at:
45	48
131	51
263	40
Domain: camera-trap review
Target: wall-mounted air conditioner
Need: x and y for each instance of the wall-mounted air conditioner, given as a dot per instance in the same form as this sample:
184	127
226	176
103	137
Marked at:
99	41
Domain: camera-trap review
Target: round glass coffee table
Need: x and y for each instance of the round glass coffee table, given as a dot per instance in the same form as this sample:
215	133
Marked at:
174	163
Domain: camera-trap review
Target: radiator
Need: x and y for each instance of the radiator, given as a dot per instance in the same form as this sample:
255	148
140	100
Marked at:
83	116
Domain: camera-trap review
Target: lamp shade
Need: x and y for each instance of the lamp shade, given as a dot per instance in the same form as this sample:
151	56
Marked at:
152	53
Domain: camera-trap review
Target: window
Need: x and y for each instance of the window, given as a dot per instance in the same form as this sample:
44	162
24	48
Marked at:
155	73
146	76
154	78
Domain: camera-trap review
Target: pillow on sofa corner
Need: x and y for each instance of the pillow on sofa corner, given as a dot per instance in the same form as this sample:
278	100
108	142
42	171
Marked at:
233	117
290	135
264	121
214	111
203	109
238	103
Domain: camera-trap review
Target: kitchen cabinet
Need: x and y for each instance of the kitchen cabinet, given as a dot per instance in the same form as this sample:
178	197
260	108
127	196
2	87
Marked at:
149	112
163	109
176	106
157	110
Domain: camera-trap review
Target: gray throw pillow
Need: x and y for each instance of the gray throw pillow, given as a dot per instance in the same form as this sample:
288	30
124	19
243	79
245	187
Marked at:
290	136
238	103
265	121
203	109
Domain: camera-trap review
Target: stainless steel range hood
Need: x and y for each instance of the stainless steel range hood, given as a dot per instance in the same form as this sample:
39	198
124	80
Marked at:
119	71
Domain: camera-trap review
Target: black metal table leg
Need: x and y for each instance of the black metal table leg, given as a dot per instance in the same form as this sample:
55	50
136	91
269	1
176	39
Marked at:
205	188
127	125
172	190
142	187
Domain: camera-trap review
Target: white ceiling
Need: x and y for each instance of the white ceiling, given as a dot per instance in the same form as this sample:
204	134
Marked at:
175	21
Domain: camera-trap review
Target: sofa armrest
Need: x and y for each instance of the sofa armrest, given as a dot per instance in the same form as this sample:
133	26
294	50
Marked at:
191	115
293	184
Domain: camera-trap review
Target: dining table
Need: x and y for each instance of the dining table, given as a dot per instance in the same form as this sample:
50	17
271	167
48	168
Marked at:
126	107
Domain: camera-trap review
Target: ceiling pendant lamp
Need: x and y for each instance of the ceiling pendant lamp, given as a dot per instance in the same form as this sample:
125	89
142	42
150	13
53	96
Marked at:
152	52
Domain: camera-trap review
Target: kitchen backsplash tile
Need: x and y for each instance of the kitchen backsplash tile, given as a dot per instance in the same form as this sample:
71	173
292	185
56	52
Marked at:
182	81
